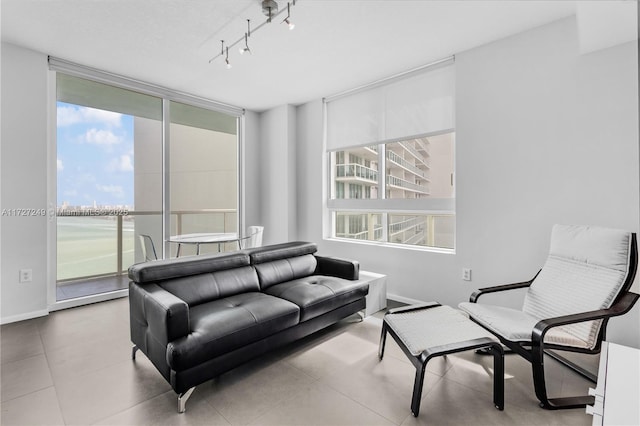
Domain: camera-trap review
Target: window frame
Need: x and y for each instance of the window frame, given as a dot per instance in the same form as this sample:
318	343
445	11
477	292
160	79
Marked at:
383	205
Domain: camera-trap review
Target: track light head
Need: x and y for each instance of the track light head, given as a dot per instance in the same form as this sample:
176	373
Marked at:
246	45
287	20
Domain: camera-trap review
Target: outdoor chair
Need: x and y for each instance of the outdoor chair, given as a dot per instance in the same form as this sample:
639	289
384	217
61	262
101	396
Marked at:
148	249
253	238
584	282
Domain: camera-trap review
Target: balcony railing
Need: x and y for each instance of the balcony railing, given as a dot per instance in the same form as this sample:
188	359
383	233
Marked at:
405	164
363	235
357	171
403	184
406	224
94	245
414	152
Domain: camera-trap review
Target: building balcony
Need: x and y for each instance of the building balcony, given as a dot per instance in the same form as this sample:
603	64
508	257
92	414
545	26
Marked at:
401	162
396	182
356	172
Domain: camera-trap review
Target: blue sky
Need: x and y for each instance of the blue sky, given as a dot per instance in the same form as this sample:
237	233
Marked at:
95	156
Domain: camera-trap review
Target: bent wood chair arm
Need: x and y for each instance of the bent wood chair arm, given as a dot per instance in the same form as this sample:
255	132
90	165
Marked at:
505	287
620	307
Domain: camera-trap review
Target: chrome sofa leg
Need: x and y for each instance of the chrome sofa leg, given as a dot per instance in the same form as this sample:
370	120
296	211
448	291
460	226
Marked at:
134	349
182	399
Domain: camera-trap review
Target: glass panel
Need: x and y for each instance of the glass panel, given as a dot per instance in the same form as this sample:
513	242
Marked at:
358	225
109	183
427	230
420	167
203	175
355	173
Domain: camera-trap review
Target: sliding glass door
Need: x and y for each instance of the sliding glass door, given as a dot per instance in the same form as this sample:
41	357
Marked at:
133	170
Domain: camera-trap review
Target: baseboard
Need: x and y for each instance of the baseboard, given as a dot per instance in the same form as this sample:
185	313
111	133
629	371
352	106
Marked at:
403	299
25	316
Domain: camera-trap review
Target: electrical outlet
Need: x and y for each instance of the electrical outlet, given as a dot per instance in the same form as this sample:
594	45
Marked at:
466	274
26	275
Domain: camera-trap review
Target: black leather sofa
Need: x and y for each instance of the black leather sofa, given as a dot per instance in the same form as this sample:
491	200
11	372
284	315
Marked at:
197	317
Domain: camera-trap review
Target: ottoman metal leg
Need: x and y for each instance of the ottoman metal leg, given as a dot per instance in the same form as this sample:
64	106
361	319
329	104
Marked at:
383	340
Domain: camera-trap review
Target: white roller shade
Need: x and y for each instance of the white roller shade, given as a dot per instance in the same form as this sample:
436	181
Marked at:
416	103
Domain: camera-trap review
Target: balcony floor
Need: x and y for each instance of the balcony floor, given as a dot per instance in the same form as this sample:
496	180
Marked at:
90	286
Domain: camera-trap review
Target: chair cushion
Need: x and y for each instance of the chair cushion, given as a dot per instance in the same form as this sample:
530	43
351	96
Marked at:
585	271
223	325
319	294
515	325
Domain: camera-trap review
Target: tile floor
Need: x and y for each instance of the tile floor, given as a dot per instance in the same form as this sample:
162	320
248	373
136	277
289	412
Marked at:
74	367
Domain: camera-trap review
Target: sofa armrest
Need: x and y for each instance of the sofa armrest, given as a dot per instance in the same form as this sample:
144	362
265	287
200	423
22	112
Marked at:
164	315
336	267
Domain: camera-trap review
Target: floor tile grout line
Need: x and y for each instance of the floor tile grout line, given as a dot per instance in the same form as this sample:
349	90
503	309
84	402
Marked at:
53	381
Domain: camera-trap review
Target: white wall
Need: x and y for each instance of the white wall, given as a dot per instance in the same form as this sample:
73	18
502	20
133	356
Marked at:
543	136
278	206
23	182
252	166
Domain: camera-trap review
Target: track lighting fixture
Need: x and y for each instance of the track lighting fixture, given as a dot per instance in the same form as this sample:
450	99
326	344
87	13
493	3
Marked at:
287	20
227	60
246	37
269	9
246	46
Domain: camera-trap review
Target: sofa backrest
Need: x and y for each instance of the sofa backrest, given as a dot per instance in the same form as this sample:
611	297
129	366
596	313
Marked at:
199	279
283	262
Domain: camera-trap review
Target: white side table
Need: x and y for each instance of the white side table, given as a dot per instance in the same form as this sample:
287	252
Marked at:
377	297
618	390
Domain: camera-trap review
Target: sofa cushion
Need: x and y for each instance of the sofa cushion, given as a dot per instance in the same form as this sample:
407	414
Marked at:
204	288
161	270
280	251
226	324
319	294
282	270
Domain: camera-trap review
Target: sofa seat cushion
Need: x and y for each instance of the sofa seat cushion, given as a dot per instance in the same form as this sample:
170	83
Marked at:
226	324
319	294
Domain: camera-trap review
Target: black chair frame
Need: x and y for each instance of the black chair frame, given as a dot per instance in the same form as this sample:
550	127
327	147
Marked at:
535	350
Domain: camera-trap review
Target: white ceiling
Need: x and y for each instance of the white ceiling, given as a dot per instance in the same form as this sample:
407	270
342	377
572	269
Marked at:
336	45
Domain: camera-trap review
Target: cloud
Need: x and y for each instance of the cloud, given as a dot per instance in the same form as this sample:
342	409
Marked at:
59	165
121	164
70	115
71	193
115	190
100	137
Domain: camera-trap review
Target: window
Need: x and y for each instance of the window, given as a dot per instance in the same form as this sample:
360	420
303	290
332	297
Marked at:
392	147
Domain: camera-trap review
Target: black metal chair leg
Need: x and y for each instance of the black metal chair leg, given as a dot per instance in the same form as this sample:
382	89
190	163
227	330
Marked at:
417	390
383	340
539	384
498	377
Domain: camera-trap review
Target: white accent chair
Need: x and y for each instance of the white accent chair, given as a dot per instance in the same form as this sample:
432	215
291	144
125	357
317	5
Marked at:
253	238
584	282
148	249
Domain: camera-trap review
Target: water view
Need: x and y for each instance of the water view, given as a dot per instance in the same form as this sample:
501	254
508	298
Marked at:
87	246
